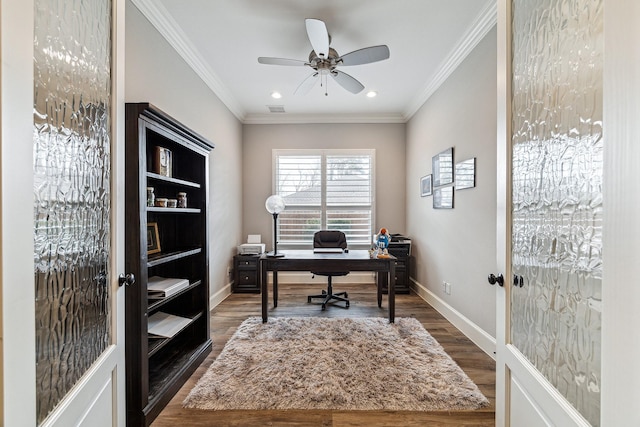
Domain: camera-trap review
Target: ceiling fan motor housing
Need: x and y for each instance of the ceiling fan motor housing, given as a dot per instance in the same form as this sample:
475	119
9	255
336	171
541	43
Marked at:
318	63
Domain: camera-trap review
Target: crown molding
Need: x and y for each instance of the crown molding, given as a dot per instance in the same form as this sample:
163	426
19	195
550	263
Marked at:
161	19
485	21
279	118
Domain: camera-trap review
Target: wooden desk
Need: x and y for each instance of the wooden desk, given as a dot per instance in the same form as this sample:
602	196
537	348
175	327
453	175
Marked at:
309	261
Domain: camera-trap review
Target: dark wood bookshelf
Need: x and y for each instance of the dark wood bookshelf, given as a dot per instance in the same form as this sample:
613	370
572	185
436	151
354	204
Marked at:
158	366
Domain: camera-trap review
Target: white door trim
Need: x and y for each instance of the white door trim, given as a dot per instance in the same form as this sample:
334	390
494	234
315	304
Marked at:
503	208
17	289
621	225
78	403
117	208
549	402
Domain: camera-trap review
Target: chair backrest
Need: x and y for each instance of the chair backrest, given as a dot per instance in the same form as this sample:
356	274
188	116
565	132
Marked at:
329	239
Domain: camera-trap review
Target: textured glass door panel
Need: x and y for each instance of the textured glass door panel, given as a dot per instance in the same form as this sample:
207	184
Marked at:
557	193
71	136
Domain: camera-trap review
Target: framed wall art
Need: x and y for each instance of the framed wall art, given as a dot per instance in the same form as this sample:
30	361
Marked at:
443	197
466	174
442	167
425	186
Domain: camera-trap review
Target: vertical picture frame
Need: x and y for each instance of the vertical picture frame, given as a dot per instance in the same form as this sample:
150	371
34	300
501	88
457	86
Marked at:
466	174
426	189
163	162
153	238
442	168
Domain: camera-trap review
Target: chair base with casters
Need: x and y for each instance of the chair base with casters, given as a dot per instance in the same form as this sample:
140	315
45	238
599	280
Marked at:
328	295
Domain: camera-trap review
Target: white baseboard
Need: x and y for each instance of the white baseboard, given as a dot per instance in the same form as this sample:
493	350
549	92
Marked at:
476	334
219	296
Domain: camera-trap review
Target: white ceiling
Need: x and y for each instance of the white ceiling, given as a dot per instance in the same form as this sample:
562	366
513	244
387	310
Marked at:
222	39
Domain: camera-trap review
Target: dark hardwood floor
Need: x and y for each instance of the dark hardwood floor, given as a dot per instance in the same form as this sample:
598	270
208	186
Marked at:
226	317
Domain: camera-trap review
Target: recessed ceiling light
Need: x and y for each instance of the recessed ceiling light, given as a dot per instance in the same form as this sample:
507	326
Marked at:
372	94
276	95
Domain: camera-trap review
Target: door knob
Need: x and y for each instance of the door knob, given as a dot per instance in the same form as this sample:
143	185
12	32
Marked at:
101	278
518	280
499	279
128	280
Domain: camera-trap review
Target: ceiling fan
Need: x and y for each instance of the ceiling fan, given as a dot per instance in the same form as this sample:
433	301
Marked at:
324	60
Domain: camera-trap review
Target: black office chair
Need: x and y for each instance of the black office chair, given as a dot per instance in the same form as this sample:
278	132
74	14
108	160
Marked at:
330	239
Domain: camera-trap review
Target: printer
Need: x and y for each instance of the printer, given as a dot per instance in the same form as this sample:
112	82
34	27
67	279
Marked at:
251	249
253	246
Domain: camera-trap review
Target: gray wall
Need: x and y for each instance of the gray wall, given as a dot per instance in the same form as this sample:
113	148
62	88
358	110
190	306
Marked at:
458	245
259	140
155	73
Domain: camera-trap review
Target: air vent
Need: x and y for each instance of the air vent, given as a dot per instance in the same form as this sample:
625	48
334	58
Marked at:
276	108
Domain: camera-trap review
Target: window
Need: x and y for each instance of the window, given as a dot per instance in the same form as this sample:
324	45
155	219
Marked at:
324	189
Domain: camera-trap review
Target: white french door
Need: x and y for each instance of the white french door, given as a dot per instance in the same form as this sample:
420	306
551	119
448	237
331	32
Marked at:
36	386
550	220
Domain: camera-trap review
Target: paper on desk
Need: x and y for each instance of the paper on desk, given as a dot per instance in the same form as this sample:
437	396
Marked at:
254	238
328	250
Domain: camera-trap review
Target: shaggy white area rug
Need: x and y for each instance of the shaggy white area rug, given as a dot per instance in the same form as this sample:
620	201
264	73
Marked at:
334	363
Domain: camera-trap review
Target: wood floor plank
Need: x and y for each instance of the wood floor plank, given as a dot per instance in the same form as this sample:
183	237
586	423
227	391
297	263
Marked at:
226	317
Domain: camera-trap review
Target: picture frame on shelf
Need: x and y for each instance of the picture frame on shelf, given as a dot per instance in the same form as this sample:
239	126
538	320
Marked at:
163	163
466	174
442	168
153	238
425	186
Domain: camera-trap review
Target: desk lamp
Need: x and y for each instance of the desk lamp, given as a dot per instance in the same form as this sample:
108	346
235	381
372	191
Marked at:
275	205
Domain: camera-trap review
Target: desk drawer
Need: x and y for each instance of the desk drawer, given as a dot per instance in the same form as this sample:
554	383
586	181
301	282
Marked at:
246	281
250	263
248	277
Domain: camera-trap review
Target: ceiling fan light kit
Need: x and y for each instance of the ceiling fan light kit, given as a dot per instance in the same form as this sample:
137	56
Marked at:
324	60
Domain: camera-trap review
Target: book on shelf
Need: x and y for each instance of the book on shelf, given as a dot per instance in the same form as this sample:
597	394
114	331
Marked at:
165	325
162	287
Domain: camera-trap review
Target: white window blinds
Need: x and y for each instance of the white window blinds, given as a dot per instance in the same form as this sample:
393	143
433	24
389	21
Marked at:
330	189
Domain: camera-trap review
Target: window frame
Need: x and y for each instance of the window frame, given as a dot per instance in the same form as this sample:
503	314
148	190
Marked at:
324	153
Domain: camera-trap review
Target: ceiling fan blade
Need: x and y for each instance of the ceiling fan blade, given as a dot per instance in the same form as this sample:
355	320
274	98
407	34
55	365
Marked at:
281	61
318	36
306	84
347	82
365	55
